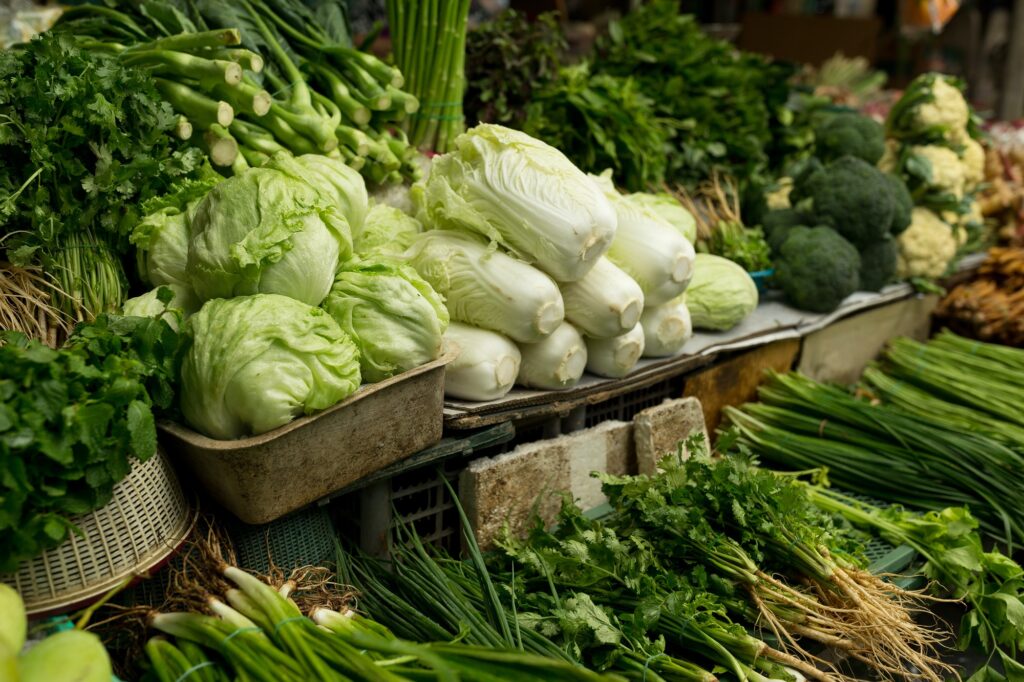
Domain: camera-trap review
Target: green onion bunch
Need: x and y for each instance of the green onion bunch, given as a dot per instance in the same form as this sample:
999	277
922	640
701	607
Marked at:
935	425
259	634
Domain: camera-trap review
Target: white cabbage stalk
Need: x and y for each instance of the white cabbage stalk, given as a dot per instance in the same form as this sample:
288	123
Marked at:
487	288
556	362
667	328
486	366
523	194
649	249
605	303
615	357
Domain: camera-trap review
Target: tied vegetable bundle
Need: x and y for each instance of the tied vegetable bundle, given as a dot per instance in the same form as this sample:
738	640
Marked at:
943	423
85	140
262	76
256	632
664	585
428	40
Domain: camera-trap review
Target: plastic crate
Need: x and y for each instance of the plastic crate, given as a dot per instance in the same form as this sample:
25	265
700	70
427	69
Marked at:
304	538
626	406
416	493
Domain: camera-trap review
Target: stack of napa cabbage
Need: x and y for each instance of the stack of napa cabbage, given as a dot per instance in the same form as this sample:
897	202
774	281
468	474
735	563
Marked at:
545	271
284	294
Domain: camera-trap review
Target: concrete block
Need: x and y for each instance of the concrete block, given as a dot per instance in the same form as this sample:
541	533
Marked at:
509	488
658	430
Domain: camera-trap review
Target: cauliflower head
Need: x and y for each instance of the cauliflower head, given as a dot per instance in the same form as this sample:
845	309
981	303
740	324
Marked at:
932	109
890	156
948	173
972	158
947	106
779	197
926	247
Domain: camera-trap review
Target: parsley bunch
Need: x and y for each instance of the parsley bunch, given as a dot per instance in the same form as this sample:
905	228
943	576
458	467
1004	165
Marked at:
71	420
85	140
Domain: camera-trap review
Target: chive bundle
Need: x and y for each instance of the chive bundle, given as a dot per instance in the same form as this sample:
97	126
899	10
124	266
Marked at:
428	39
947	430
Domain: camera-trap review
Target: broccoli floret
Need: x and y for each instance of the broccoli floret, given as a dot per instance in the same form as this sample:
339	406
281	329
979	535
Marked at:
849	134
878	264
852	197
903	203
817	268
778	223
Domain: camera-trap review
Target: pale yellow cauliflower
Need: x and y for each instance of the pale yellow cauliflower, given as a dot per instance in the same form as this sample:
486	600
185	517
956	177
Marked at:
948	172
972	157
926	247
779	198
947	108
887	164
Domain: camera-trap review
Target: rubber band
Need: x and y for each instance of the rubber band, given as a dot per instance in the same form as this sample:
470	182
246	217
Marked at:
647	663
251	628
197	666
278	625
438	117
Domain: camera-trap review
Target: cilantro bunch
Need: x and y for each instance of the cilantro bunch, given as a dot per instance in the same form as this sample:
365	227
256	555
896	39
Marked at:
72	420
84	141
730	107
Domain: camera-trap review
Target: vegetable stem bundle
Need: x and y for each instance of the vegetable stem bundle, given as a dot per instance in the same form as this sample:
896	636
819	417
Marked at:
429	44
948	433
286	83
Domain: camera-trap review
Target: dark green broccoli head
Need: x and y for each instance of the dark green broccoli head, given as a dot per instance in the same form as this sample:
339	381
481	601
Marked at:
878	264
852	197
778	223
817	268
849	134
903	203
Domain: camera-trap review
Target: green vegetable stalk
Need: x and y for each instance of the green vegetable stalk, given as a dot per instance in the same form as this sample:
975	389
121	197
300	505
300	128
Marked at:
430	48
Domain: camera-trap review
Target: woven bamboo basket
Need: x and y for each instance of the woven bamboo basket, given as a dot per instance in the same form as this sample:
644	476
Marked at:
144	523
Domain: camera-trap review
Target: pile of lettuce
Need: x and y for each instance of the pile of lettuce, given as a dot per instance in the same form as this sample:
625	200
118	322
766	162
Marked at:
286	290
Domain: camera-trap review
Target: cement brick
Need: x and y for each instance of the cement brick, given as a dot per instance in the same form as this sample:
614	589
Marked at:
509	488
658	430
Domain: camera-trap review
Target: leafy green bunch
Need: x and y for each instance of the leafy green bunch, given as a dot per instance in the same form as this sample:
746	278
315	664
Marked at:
84	141
731	105
602	121
72	420
507	60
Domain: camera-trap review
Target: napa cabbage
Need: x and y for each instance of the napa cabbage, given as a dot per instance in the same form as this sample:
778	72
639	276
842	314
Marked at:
486	363
524	194
605	303
487	288
669	209
556	362
667	328
647	248
615	357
